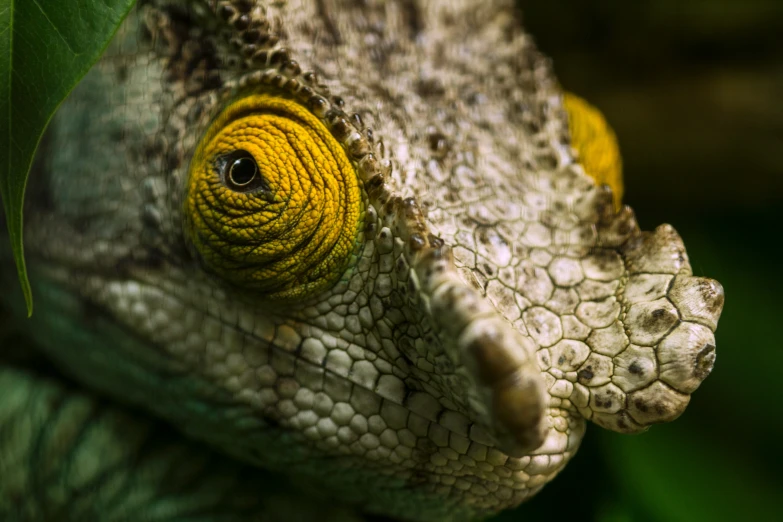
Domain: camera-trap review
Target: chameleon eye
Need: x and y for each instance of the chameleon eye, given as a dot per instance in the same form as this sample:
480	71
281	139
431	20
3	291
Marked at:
596	144
273	203
239	171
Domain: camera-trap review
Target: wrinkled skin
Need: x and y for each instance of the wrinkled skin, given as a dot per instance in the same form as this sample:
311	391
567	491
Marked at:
497	301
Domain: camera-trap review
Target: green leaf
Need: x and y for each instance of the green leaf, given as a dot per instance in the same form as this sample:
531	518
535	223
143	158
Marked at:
45	49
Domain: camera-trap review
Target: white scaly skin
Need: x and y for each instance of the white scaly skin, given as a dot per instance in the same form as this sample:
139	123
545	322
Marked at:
497	303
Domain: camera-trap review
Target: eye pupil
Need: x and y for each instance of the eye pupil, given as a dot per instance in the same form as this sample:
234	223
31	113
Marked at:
243	170
239	172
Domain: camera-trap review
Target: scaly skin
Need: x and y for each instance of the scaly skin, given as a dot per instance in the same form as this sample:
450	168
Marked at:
494	303
70	456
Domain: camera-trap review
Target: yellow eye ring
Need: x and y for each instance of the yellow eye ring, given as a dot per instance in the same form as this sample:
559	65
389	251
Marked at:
273	203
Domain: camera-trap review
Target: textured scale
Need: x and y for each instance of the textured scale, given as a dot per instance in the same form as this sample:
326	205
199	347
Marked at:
496	300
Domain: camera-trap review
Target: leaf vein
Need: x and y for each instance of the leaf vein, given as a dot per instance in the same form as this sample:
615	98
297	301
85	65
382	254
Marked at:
56	29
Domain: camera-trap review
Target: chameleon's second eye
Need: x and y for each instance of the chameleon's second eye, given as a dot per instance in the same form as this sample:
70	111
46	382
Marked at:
273	203
596	144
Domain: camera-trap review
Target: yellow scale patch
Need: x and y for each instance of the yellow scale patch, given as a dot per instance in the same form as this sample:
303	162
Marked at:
596	144
297	237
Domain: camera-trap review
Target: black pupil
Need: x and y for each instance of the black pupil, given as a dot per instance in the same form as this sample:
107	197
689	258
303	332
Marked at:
243	170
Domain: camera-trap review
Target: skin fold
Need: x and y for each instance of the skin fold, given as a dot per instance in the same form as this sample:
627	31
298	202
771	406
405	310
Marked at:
368	249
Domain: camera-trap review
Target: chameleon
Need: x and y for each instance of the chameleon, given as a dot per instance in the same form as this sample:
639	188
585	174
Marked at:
333	258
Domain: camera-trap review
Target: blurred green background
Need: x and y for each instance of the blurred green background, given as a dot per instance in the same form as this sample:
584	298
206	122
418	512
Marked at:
694	90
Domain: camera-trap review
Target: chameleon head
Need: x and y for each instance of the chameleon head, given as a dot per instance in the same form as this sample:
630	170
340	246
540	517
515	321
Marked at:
372	258
464	355
437	306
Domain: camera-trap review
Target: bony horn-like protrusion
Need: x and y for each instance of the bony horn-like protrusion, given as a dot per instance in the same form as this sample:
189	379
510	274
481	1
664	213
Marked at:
698	299
504	364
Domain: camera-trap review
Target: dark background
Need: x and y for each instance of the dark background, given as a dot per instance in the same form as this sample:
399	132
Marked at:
694	90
